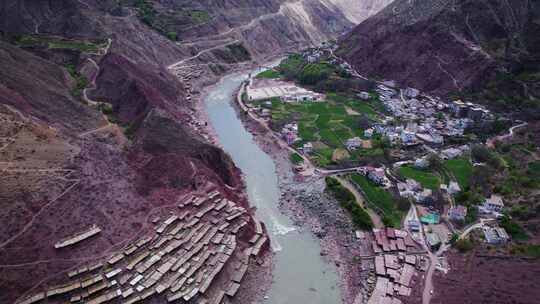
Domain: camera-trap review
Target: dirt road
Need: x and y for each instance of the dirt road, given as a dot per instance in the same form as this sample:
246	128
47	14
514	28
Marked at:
375	218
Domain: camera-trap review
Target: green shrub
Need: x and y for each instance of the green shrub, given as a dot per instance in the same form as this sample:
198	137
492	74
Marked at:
105	108
464	245
346	199
199	16
146	12
173	36
530	250
381	199
296	159
454	238
271	74
472	215
81	81
514	229
313	73
292	66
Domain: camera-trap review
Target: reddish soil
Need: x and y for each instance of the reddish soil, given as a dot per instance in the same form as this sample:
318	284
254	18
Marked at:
482	277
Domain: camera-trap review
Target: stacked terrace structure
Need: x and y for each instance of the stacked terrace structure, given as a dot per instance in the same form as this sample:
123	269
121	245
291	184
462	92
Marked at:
196	254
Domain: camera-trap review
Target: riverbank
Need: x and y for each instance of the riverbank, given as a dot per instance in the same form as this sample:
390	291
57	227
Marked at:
258	279
299	272
304	200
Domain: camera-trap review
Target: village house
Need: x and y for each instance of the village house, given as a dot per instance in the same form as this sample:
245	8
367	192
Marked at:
453	188
412	92
422	162
404	191
363	95
302	96
457	213
430	219
353	143
458	108
264	89
433	241
368	133
290	138
414	225
424	197
392	137
367	144
409	188
493	203
308	148
431	138
495	235
265	113
443	187
408	138
475	114
290	133
377	175
413	185
451	153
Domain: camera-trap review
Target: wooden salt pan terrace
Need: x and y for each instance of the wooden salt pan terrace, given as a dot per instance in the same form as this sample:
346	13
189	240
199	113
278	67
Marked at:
181	261
78	238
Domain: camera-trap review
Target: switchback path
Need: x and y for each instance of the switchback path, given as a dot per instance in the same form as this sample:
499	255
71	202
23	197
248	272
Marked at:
181	62
234	30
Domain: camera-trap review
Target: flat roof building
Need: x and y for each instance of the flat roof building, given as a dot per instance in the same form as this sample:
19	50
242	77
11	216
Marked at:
433	240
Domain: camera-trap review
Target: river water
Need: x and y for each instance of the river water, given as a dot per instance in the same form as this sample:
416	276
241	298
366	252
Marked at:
300	274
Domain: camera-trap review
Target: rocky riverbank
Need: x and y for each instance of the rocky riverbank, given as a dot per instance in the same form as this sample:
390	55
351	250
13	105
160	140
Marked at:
306	203
259	277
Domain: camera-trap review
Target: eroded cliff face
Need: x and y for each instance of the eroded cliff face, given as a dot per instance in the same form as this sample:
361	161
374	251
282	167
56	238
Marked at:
357	11
286	24
453	46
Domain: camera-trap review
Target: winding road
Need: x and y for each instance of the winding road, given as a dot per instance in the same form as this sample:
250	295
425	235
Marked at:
491	142
428	284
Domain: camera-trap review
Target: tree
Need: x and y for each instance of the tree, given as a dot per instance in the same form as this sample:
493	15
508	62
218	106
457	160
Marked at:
464	245
435	162
313	73
480	153
173	36
454	238
403	204
364	122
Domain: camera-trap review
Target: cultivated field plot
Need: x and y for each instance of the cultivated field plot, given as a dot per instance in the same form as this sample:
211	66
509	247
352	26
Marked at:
462	170
426	178
59	43
380	200
328	124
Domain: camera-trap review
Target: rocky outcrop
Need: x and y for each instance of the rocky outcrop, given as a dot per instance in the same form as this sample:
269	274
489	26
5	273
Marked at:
451	46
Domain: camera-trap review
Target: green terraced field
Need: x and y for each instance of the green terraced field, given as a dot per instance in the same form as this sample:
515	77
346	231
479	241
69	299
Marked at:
328	122
57	43
379	200
462	169
426	178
